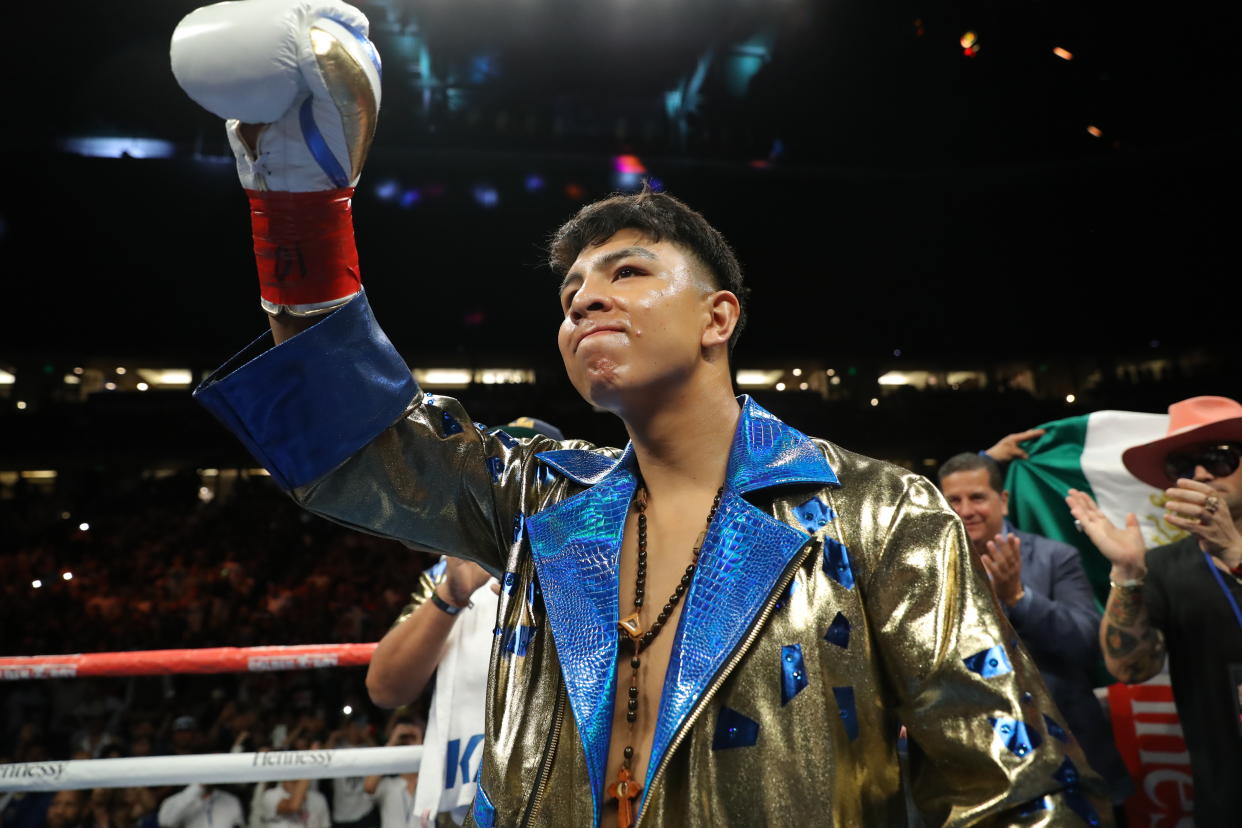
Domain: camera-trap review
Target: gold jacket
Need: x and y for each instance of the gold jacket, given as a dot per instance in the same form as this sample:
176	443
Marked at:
835	600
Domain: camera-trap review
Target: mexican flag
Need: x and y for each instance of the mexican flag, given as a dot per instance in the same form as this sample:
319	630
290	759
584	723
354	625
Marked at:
1084	453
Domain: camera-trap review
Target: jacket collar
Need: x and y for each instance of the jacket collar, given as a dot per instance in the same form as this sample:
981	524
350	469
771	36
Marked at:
576	546
765	452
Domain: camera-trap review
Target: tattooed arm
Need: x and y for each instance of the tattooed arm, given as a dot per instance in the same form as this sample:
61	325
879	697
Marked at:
1133	649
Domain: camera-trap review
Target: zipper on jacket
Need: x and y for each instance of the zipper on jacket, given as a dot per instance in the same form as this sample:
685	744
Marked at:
712	688
549	752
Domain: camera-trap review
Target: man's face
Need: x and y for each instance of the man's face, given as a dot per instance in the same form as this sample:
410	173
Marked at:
1228	486
635	316
981	508
65	809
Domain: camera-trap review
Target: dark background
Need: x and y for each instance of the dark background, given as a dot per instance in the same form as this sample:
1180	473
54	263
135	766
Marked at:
884	191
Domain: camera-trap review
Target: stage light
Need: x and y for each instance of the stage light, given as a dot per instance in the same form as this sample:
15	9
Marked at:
387	190
970	43
120	371
410	197
110	386
36	583
79	370
835	380
803	386
72	379
142	386
443	377
894	378
1063	54
21	405
178	377
68	576
6	378
874	402
896	352
107	147
757	379
1095	131
347	710
85	527
780	386
574	191
628	164
486	196
533	183
1070	398
831	372
797	372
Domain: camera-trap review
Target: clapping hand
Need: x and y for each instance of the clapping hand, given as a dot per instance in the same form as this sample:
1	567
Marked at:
1003	562
1123	546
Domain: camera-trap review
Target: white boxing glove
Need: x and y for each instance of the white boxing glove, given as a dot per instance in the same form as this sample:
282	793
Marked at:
305	68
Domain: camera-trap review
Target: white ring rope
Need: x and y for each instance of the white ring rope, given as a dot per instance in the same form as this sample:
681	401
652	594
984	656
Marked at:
209	768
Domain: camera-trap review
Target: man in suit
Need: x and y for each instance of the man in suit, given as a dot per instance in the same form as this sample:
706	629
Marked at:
1041	586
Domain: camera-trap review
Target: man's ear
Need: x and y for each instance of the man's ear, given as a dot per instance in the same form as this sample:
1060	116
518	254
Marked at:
723	312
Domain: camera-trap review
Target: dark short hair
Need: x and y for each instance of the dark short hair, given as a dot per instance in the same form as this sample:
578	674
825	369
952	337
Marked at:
969	461
661	217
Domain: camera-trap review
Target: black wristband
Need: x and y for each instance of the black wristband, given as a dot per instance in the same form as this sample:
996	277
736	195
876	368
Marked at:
445	605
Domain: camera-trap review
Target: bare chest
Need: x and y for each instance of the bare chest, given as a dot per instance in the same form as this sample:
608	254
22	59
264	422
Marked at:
651	606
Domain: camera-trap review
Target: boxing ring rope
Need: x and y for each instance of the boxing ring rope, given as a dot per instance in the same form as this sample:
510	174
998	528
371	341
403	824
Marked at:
208	768
211	768
168	662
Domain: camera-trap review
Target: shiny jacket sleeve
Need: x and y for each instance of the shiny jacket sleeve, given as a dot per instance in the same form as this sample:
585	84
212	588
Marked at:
988	746
337	419
1066	623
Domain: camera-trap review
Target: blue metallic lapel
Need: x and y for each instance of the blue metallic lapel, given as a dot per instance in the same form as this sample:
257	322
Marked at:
766	452
576	545
585	467
743	556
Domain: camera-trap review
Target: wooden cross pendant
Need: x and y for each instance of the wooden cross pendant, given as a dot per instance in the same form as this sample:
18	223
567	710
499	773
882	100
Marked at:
631	626
625	791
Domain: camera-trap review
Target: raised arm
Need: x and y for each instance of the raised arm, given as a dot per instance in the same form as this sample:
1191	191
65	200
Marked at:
1133	649
409	653
325	403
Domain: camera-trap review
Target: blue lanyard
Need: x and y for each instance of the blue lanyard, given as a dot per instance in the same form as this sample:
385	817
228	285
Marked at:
1237	613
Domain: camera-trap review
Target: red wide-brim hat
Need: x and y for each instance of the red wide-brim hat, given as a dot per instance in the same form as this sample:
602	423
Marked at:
1191	422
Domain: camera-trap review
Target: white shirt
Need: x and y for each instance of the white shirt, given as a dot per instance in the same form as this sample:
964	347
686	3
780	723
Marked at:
349	801
314	813
396	804
188	808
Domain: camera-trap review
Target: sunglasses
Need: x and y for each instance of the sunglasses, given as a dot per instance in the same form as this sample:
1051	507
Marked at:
1219	461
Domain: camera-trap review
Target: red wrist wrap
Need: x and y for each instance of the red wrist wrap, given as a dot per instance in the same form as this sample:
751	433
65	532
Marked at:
304	246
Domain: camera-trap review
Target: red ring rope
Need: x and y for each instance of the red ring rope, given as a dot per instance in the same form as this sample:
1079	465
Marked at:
166	662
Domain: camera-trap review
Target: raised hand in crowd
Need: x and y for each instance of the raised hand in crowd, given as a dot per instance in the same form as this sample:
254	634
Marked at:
1122	545
1009	447
1003	562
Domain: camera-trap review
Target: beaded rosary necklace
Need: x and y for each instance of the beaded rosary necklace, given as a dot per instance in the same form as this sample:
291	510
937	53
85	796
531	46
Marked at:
625	790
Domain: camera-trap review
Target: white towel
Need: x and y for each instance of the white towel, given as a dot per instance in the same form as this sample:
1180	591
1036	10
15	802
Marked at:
453	746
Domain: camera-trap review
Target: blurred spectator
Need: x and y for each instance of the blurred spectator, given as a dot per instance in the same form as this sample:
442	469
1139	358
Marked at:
1043	589
351	805
67	809
395	794
201	806
295	803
